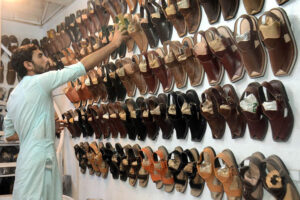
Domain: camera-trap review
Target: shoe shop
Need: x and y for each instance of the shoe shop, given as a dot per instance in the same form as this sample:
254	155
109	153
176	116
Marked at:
149	100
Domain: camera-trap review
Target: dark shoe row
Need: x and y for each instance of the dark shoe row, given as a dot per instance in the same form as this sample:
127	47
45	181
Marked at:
181	167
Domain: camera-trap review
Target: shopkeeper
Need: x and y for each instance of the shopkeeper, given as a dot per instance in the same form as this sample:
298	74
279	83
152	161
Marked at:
30	117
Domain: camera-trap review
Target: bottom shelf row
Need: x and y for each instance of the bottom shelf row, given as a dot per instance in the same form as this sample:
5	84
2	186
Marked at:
180	168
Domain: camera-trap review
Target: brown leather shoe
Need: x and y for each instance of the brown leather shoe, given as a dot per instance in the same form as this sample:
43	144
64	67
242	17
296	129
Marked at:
156	63
251	106
211	101
231	111
222	44
229	8
147	26
175	67
151	80
132	5
136	32
127	82
176	18
132	71
191	11
278	110
211	65
212	9
280	2
277	35
253	6
10	75
249	43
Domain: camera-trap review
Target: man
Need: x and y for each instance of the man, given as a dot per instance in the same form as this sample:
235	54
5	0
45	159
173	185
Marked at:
30	117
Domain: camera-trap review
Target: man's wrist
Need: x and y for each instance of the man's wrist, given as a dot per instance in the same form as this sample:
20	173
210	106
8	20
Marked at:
115	44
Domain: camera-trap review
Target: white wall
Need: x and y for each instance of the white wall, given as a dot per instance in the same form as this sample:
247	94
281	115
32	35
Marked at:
86	186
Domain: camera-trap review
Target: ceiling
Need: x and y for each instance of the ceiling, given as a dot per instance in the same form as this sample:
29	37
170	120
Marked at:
36	12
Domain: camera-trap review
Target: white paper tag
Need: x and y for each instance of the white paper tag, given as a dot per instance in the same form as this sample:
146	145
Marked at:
270	105
249	103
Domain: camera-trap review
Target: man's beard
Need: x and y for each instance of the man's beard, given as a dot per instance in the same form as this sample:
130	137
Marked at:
38	69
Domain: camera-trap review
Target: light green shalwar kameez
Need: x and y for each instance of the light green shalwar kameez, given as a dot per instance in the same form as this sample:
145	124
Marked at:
30	113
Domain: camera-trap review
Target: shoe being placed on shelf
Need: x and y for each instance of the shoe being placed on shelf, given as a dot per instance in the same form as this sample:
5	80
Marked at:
253	6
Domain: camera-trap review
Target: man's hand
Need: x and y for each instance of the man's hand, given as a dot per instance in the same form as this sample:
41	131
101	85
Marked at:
119	36
59	125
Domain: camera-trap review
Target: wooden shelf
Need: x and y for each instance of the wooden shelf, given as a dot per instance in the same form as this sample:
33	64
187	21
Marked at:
7	175
7	144
8	164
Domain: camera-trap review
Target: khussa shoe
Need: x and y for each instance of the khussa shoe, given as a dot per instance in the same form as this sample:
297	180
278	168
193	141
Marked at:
158	110
231	111
222	44
277	181
191	65
175	115
278	110
205	168
151	126
179	74
251	170
212	10
190	108
151	80
253	6
176	18
177	160
160	163
156	64
277	36
251	105
211	64
191	11
136	116
228	174
249	43
196	182
229	8
163	27
211	101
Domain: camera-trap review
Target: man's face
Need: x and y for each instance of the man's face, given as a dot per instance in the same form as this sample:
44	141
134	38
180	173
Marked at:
40	62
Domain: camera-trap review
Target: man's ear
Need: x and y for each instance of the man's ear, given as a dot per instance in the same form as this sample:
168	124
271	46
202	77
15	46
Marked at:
28	65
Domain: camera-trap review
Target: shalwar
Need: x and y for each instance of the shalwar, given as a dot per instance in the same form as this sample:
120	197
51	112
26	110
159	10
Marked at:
30	114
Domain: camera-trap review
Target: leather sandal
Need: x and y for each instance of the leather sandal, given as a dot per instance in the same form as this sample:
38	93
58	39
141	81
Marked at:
109	7
134	161
151	80
176	18
205	168
211	101
106	158
151	126
277	35
91	154
191	11
148	27
229	8
110	121
127	82
251	170
163	27
212	10
228	175
190	108
136	32
156	64
120	6
253	6
158	110
280	2
102	14
192	66
82	27
277	181
91	116
211	65
118	86
108	152
278	110
249	43
160	162
251	105
132	4
90	158
148	165
222	44
118	124
81	157
91	6
133	72
177	160
231	111
124	115
179	74
196	182
175	115
13	43
124	165
142	174
136	116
